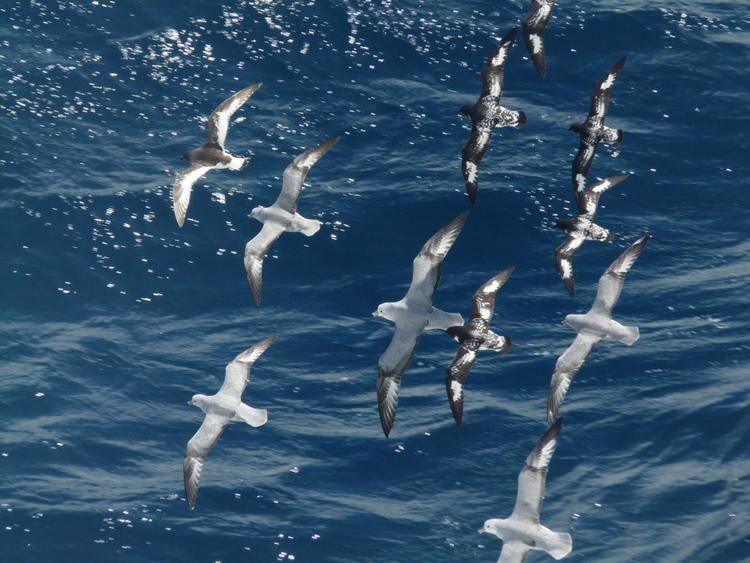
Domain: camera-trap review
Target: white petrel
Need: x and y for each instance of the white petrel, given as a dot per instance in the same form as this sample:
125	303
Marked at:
282	215
224	406
412	315
474	335
212	154
593	130
595	325
522	531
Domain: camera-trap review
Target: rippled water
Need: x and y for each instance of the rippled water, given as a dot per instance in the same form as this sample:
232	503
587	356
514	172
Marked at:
112	317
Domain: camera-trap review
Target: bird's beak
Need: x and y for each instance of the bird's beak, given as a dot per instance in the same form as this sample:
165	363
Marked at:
190	402
480	530
375	314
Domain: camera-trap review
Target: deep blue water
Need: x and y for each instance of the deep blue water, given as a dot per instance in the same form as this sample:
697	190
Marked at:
112	317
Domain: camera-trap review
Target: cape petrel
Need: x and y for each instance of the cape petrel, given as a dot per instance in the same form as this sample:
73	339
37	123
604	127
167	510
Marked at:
487	113
582	228
593	131
474	335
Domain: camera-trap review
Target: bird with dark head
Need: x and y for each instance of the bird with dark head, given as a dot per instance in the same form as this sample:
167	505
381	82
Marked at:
582	227
487	113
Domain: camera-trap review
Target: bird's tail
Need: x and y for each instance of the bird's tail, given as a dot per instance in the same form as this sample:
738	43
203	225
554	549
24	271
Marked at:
561	545
631	335
310	227
252	416
502	344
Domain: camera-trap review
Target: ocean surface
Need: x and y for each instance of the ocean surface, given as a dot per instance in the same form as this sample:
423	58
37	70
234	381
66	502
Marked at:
111	317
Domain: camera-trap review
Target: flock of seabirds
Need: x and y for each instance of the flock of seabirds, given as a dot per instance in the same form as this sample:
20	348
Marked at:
414	313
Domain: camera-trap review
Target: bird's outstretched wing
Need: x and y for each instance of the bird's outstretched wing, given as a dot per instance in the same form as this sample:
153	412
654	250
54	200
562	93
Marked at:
612	280
456	375
588	198
197	450
494	67
183	186
391	367
602	92
582	163
237	372
531	479
564	259
483	302
471	156
566	367
513	551
427	264
295	173
218	121
255	252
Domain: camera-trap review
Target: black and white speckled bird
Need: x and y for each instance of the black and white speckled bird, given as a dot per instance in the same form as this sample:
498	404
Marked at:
474	335
582	228
211	154
533	32
487	113
593	131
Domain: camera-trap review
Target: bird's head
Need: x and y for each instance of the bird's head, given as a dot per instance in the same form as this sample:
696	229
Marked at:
493	526
465	109
565	224
384	311
577	127
197	401
257	213
453	331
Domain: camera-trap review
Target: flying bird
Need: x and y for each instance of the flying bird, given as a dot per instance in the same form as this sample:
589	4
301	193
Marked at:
533	32
212	154
474	335
487	113
594	326
582	228
593	131
282	215
224	406
522	531
412	315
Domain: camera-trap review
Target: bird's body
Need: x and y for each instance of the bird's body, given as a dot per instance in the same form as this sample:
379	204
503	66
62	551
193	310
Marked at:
595	325
220	408
473	336
522	531
593	130
412	315
487	113
212	154
282	216
582	227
